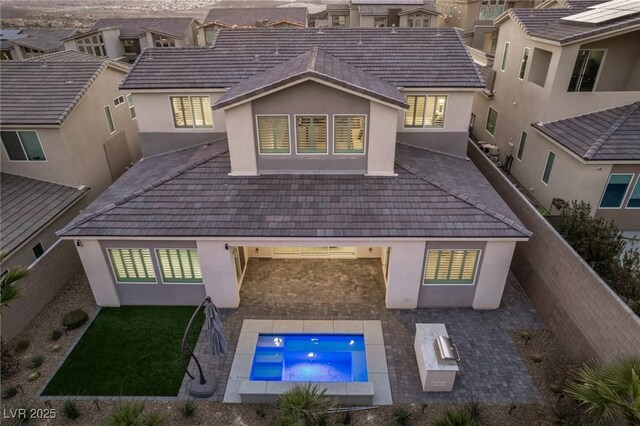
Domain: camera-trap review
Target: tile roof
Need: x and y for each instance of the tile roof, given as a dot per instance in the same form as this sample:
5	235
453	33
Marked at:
612	134
546	24
44	39
28	205
313	64
137	27
389	2
251	16
404	57
44	89
189	193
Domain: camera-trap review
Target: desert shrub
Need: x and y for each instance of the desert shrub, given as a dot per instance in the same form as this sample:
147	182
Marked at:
23	416
126	414
36	361
468	415
346	418
304	405
56	335
188	409
401	415
75	319
22	345
155	419
9	363
70	410
9	392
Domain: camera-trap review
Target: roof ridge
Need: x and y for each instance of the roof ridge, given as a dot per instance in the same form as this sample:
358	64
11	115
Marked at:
313	58
466	50
604	137
144	190
82	91
465	199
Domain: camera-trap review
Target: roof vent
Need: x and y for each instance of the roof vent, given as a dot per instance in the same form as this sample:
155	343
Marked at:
320	30
393	28
277	53
360	41
257	57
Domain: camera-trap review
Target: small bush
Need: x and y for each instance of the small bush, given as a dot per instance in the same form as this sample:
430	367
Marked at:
22	345
401	415
36	361
469	415
306	405
75	319
126	414
9	363
9	392
155	419
70	410
188	409
23	416
261	411
346	418
56	334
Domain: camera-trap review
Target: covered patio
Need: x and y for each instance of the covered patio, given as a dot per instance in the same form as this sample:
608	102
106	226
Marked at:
491	369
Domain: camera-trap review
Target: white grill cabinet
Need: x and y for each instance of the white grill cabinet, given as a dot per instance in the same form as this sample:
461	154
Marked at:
436	374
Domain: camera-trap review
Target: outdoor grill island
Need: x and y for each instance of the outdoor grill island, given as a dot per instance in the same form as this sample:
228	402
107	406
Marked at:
437	357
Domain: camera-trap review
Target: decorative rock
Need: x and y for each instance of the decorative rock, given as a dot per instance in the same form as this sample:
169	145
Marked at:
536	358
555	388
525	334
55	348
33	376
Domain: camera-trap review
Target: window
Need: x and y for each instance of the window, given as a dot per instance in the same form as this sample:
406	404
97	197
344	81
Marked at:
38	250
132	109
118	101
311	134
634	199
425	111
30	53
338	21
162	41
93	45
380	21
490	9
551	157
585	70
615	191
210	34
505	56
179	265
129	46
492	120
539	66
417	20
107	114
273	134
191	111
523	64
23	145
132	265
523	141
451	266
348	134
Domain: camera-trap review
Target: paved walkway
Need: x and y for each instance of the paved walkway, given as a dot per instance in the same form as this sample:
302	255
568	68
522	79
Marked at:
491	370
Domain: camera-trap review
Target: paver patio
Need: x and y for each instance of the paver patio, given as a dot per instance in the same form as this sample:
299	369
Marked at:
491	369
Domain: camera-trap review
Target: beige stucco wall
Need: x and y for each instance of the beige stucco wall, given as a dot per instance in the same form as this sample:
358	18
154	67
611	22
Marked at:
240	136
382	140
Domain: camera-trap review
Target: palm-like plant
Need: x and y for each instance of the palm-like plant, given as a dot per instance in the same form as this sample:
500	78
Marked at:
304	406
609	390
9	290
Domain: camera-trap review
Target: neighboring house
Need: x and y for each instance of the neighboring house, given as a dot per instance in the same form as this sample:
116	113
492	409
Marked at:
299	143
65	122
558	107
382	13
251	17
19	44
125	38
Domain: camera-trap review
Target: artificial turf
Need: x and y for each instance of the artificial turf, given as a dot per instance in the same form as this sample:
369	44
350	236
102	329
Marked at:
129	351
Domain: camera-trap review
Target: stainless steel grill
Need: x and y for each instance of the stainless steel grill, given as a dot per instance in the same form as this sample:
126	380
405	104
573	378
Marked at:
447	349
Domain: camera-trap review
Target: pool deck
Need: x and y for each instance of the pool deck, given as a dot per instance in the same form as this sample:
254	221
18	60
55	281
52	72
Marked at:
491	369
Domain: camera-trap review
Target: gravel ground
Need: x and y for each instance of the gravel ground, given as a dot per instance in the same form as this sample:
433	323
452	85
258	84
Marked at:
76	294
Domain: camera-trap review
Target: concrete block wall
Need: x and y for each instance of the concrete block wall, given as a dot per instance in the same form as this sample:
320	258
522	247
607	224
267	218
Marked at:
586	316
48	274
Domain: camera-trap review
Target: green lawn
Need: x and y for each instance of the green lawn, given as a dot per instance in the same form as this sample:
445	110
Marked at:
127	351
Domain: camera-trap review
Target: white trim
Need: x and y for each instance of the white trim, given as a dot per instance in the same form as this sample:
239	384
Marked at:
524	74
133	106
475	270
495	125
258	136
115	274
116	105
624	197
520	144
358	241
106	107
364	136
545	167
193	128
505	58
637	185
22	146
295	128
159	263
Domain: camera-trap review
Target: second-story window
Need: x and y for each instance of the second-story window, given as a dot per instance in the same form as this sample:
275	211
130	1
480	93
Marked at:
22	145
273	134
129	46
311	134
425	111
523	64
348	134
210	34
109	118
505	56
93	45
30	53
380	21
585	70
163	41
338	21
418	20
191	112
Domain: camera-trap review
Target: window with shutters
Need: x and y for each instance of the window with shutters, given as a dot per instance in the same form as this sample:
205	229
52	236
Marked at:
132	265
179	265
311	134
273	134
191	112
348	134
451	266
425	111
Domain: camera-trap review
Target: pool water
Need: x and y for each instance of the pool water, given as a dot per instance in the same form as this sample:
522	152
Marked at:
310	357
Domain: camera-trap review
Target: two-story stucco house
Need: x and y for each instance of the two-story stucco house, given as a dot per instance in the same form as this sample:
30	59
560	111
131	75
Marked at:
251	17
125	38
67	133
382	13
19	44
563	107
307	144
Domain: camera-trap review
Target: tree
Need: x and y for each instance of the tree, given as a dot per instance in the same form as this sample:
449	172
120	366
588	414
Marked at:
9	291
609	391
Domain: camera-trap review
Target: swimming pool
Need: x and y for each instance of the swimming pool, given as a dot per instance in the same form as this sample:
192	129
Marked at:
310	357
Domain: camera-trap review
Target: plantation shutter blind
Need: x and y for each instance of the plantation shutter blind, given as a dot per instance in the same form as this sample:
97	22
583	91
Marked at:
451	266
180	265
349	134
311	134
182	116
201	111
273	134
435	111
132	265
414	117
